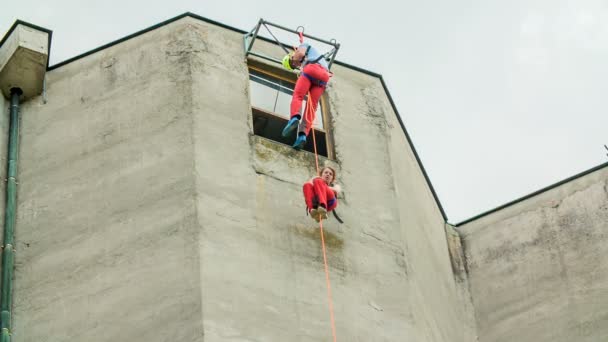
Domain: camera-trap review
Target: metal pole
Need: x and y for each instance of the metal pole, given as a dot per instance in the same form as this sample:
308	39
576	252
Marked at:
265	57
333	55
8	253
304	34
255	34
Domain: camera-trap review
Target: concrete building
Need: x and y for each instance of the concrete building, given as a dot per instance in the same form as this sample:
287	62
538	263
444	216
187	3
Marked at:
155	204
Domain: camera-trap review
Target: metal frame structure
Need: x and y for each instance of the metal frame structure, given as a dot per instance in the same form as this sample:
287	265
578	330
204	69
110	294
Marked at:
250	38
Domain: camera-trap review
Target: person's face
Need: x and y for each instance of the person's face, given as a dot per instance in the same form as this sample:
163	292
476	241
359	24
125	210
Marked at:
295	60
327	175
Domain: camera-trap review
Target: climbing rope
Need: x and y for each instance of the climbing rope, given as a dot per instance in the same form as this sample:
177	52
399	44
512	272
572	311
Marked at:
300	33
310	115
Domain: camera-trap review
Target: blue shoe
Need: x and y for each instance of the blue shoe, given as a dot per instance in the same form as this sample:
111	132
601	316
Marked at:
291	125
300	142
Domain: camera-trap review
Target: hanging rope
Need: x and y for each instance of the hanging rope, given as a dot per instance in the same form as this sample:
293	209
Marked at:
310	115
300	33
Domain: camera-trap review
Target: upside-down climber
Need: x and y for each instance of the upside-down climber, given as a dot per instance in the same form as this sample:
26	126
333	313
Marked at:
313	80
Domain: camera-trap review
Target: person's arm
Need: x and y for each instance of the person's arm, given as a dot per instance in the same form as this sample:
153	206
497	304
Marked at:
301	51
336	188
299	55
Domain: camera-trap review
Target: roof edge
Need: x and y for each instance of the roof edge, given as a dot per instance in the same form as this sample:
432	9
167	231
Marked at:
35	27
123	39
537	192
409	140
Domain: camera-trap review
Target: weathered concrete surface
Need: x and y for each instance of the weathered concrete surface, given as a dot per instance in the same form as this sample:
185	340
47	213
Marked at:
538	269
459	269
149	212
382	290
107	230
397	212
23	59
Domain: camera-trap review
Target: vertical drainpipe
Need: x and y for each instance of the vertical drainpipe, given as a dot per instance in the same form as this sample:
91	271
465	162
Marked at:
9	217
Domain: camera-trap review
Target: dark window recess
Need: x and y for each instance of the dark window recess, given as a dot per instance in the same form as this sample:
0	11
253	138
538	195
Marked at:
270	126
270	102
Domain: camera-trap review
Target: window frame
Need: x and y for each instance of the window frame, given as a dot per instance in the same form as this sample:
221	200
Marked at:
327	128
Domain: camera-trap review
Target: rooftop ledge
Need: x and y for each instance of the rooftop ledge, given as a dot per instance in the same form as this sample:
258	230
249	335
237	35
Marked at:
24	54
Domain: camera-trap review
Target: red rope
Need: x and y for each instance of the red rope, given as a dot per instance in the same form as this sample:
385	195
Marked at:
310	116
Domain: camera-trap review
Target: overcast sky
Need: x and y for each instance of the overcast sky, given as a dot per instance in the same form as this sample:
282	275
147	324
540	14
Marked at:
501	98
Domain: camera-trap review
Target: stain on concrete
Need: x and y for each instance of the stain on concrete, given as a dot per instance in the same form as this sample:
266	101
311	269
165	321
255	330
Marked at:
332	240
107	63
110	72
374	108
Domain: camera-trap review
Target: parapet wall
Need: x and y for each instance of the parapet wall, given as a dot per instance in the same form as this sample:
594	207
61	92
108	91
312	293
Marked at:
538	269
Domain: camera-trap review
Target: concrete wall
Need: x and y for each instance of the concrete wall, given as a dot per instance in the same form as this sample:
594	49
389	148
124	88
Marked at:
398	216
538	269
149	212
107	228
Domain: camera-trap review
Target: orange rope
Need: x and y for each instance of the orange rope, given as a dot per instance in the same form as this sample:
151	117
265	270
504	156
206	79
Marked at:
330	303
310	116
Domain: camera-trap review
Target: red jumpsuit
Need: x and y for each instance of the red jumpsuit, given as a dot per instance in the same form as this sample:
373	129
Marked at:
319	194
313	79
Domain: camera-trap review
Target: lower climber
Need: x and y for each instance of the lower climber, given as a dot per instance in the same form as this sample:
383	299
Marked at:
320	194
313	80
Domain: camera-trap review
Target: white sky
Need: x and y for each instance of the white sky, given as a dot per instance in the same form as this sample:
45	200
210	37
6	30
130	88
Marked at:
501	98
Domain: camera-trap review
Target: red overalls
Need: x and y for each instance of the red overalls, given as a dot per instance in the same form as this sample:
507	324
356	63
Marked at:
318	193
313	79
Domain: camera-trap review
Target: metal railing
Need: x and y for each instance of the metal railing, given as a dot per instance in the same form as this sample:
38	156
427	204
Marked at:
250	38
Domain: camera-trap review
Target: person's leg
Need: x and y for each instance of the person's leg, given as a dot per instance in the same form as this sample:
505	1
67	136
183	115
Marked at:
320	189
299	92
301	89
309	116
318	73
309	194
311	200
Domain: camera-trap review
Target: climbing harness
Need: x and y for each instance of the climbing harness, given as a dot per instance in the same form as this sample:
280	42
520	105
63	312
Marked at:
313	80
336	216
316	60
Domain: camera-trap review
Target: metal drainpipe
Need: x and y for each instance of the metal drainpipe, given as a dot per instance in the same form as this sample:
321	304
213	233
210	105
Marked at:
9	217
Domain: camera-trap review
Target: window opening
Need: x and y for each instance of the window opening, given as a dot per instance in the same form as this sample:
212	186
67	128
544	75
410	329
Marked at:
270	102
274	95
